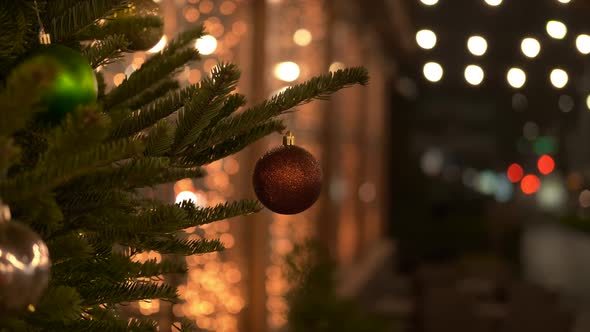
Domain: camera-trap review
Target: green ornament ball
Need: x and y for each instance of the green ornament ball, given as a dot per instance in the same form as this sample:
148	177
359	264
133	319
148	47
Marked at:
74	83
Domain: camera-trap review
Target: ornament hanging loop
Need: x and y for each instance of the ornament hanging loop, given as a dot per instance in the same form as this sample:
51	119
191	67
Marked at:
288	139
44	38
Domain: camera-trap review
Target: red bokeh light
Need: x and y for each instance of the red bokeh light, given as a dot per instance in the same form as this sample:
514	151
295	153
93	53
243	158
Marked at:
545	164
514	173
530	184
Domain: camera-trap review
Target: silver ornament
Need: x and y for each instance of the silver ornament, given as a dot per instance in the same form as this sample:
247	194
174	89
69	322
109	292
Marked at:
24	265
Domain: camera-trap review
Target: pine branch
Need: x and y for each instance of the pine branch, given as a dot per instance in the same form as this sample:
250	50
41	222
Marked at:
160	89
156	68
126	292
179	247
151	268
159	139
22	92
53	175
59	304
317	88
197	115
232	145
78	16
154	112
105	51
111	325
136	173
132	27
232	103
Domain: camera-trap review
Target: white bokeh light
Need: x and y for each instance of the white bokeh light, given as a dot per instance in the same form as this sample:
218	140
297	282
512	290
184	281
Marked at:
556	29
159	46
477	45
588	102
433	71
564	1
516	77
206	45
187	196
583	43
287	71
426	39
474	74
530	47
429	2
494	3
558	78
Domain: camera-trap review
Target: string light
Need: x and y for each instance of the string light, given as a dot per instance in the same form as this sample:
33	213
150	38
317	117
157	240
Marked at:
583	44
530	47
494	3
558	78
429	2
474	74
477	45
556	29
516	77
426	39
433	71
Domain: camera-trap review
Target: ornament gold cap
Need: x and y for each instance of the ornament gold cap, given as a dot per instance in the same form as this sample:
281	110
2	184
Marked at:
288	139
44	38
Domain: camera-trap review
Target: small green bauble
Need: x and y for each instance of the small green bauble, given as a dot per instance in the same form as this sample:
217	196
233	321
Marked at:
74	83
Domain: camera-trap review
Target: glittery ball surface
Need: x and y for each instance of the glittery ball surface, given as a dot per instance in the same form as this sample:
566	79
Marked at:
287	179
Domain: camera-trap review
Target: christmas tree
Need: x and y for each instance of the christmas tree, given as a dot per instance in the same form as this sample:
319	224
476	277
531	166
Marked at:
75	155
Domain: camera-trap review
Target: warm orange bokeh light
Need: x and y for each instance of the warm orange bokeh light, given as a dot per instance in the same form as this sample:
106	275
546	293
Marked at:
530	184
514	173
546	164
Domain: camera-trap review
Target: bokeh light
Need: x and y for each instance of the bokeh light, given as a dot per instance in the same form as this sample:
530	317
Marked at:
545	164
504	190
429	2
516	77
566	103
302	37
477	45
186	196
584	198
159	46
474	74
514	173
558	78
583	43
552	194
494	3
530	47
487	182
432	161
564	1
206	45
530	184
426	39
287	71
433	71
556	29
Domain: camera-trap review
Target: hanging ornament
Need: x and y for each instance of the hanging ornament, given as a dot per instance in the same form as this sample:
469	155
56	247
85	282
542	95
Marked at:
287	179
24	265
74	83
145	38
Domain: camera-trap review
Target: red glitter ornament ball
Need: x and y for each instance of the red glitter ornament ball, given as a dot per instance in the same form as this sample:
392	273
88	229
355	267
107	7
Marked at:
287	179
